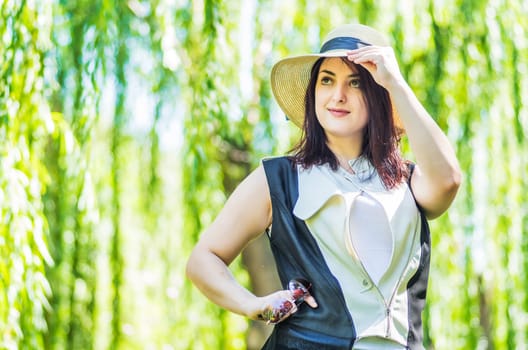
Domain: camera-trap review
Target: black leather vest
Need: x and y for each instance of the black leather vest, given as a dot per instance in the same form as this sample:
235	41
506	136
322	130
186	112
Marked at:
297	255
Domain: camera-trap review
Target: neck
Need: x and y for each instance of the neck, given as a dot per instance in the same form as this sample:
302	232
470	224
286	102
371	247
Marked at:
346	150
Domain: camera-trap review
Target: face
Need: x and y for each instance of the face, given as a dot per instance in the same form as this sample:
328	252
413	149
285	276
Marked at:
339	101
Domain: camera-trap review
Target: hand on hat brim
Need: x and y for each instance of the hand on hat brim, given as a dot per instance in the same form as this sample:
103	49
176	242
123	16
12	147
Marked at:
380	61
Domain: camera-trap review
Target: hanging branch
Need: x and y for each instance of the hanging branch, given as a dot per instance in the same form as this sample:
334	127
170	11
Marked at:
116	252
24	122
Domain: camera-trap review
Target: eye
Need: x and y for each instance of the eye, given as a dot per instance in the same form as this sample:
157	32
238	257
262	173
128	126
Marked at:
326	80
355	82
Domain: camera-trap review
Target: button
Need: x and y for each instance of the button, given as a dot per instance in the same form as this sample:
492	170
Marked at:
365	282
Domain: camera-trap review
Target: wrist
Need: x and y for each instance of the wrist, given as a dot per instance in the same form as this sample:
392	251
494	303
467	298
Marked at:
250	307
396	84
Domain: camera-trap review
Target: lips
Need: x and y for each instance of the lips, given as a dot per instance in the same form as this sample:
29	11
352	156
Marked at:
338	112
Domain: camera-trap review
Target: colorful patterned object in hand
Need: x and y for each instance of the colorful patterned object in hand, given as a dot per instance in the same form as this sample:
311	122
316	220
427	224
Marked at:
299	289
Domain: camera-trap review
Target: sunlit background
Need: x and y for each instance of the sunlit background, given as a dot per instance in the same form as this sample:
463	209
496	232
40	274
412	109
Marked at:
124	126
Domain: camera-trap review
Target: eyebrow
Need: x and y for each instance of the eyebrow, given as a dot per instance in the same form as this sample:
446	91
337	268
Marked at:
353	75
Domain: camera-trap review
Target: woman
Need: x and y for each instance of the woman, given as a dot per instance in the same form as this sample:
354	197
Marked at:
345	213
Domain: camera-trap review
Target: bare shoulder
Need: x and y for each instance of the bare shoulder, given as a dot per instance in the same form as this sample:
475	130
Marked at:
252	190
245	215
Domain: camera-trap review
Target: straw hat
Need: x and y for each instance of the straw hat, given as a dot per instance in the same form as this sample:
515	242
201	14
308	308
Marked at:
290	76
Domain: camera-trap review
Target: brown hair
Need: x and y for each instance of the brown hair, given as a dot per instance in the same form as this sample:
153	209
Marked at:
380	140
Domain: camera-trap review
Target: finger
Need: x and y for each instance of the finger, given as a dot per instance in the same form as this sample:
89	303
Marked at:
310	300
279	309
368	61
370	57
282	318
292	311
368	50
364	49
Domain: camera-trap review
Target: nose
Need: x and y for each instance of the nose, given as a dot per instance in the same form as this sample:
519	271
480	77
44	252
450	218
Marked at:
339	94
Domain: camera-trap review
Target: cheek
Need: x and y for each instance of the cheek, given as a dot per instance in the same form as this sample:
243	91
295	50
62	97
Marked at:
319	108
361	103
320	98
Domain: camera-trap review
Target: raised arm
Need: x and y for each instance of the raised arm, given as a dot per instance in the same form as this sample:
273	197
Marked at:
437	175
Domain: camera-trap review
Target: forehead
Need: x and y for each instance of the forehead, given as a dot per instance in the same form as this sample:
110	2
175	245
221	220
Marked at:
337	65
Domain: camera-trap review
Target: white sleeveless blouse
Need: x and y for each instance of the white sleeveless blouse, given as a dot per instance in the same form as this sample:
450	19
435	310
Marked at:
362	229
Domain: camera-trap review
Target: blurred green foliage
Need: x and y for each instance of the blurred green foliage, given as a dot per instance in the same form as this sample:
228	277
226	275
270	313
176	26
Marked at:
126	124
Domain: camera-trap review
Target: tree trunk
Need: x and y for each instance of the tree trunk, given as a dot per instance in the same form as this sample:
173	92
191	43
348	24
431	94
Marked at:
258	260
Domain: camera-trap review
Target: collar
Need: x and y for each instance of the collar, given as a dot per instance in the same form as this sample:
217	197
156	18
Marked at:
310	200
317	185
362	168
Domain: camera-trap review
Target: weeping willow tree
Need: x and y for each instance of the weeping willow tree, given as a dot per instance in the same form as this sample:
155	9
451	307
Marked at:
24	119
70	195
472	87
126	124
